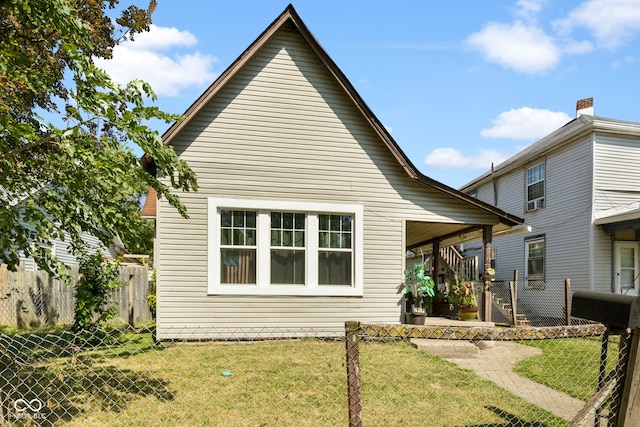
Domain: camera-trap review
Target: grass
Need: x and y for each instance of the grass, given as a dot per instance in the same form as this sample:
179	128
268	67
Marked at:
133	381
568	365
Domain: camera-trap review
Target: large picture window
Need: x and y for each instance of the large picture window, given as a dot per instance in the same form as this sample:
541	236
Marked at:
284	248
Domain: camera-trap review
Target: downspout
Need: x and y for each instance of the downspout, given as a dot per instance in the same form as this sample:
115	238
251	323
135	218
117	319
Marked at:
592	226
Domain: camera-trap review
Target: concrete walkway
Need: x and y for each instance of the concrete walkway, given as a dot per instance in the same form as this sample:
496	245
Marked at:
494	361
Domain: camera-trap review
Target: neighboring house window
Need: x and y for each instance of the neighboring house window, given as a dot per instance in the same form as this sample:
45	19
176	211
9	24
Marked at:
535	187
534	262
284	248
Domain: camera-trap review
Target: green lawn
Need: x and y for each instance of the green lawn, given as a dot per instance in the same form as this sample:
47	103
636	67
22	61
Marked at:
133	381
569	365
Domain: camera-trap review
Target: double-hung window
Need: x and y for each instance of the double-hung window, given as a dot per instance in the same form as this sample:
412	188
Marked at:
535	187
284	248
534	262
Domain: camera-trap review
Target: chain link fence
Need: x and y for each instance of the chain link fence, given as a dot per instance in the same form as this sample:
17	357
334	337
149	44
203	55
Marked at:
539	303
379	375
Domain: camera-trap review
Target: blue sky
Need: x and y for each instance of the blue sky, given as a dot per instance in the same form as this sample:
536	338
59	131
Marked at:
458	84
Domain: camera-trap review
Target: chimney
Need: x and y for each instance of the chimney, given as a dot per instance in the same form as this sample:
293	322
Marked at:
584	106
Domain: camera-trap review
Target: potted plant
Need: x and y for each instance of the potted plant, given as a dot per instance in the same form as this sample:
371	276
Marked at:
418	290
467	302
441	306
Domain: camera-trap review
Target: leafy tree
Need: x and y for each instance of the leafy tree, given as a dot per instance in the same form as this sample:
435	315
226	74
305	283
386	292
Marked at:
76	173
97	280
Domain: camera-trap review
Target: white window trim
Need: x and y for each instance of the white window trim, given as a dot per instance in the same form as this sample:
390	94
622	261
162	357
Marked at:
538	200
541	279
263	286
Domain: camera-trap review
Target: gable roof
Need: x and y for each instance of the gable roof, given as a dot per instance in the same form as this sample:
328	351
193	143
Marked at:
570	132
290	17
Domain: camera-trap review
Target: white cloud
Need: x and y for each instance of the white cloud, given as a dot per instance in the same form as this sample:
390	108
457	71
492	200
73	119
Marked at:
523	48
450	158
167	73
613	22
577	47
525	124
527	9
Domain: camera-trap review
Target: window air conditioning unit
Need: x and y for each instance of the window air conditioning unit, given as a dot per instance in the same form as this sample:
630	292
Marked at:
535	205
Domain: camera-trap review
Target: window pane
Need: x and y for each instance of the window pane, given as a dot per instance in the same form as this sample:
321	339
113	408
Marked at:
535	260
238	266
275	238
287	267
238	218
346	241
225	218
335	240
536	249
536	267
334	268
627	256
335	223
346	222
238	228
535	191
276	220
238	237
325	240
225	236
324	222
250	218
289	229
251	237
287	221
626	278
287	238
535	182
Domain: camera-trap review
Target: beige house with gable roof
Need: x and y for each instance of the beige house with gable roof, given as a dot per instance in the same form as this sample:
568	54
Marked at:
306	206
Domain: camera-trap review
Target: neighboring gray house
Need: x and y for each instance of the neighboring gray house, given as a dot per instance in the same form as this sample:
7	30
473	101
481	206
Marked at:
306	205
62	251
579	190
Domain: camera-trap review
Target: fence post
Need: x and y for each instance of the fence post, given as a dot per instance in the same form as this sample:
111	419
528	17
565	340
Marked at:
132	300
567	300
628	412
513	288
353	374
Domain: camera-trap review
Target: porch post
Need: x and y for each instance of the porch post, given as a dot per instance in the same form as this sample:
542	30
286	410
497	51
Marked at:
486	294
435	264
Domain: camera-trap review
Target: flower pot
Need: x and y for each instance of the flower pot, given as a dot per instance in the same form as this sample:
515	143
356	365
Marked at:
415	318
441	308
468	312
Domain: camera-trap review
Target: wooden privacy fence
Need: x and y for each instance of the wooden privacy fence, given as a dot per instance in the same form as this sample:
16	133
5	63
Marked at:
31	298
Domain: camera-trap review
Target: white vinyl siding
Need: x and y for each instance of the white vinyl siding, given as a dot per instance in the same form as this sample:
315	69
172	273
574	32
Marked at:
616	172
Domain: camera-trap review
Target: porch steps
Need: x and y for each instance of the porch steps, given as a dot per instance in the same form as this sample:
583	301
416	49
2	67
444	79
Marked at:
504	308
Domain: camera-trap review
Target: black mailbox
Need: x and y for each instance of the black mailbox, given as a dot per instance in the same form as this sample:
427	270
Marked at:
613	310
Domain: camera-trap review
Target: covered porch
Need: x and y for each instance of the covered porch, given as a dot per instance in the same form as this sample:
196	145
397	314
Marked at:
435	244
